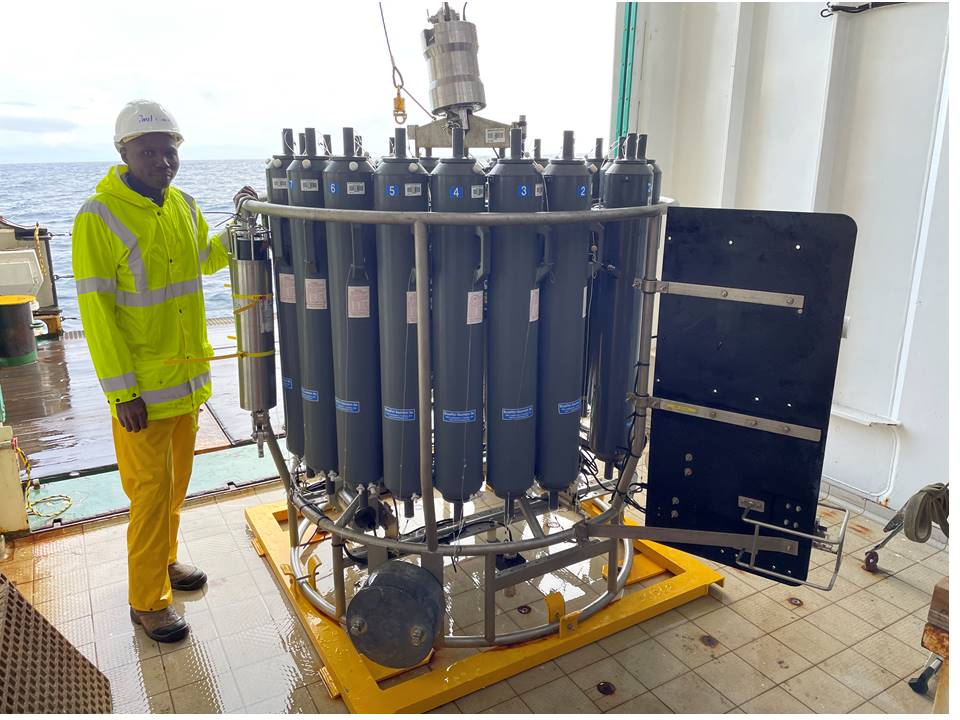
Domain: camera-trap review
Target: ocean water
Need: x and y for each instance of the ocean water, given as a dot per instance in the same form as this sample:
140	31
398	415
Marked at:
51	194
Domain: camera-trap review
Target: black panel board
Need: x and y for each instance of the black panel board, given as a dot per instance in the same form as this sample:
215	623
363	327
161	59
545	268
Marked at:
766	361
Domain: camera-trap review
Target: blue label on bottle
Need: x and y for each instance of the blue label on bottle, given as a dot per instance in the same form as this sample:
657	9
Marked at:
456	192
459	416
391	190
290	185
333	188
287	383
523	190
581	190
517	413
308	394
349	406
401	414
565	408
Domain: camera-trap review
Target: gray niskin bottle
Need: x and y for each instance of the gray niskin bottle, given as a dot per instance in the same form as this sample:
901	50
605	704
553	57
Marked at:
399	184
305	175
286	297
352	263
513	314
615	309
459	260
563	311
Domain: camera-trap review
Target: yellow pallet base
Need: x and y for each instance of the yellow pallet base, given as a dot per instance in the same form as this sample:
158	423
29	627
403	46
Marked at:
357	679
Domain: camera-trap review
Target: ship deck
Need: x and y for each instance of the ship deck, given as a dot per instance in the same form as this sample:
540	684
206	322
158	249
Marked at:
751	646
62	424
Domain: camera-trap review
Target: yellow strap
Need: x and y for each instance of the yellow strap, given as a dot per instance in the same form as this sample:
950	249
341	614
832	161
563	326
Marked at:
255	298
239	354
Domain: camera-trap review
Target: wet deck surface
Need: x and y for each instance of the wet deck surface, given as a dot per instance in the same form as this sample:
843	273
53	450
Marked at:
752	646
61	419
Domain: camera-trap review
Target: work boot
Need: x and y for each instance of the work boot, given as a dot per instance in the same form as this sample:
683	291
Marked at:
165	625
186	577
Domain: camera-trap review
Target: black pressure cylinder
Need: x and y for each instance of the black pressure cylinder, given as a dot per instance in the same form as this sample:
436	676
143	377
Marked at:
352	262
399	184
459	271
563	311
615	308
286	296
595	163
305	176
513	306
617	152
657	181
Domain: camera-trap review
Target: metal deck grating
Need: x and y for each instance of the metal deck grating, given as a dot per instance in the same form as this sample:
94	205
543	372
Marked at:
40	671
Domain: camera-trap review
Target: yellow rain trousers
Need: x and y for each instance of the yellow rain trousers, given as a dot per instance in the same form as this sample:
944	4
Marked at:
155	466
138	268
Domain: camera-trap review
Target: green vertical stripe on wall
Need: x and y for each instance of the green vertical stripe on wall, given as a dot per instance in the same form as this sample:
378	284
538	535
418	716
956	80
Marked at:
627	45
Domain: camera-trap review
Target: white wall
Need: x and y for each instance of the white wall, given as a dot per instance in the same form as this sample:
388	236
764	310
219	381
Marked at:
770	106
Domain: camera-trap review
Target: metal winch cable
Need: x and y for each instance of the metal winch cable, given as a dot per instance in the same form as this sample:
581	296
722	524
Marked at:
399	108
931	504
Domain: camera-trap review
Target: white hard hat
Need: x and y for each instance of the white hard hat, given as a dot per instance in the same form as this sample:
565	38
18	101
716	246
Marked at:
141	117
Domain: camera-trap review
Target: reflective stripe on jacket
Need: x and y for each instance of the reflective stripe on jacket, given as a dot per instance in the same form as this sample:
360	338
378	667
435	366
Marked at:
138	270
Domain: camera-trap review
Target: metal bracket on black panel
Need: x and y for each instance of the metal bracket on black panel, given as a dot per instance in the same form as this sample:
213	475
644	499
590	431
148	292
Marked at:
759	540
737	541
717	292
731	418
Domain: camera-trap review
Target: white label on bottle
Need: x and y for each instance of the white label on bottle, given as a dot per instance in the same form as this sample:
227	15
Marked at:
411	307
496	135
584	301
476	191
266	316
315	290
356	188
288	291
358	301
535	304
412	190
279	183
474	307
538	189
307	185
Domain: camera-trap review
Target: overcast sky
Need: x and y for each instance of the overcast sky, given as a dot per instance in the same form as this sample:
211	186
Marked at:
234	74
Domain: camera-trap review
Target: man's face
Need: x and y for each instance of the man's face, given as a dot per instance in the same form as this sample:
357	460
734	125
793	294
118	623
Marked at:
152	159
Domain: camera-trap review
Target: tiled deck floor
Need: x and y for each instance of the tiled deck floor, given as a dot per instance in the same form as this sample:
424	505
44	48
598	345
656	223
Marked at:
769	648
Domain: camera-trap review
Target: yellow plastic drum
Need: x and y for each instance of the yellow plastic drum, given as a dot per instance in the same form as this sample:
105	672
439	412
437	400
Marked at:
18	345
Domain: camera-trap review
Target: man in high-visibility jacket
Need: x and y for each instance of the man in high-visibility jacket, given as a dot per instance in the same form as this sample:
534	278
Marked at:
140	247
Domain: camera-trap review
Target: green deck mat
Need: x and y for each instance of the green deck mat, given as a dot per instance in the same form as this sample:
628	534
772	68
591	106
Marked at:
101	494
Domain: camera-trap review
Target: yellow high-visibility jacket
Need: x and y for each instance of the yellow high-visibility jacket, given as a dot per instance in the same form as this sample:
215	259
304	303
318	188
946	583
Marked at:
138	270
